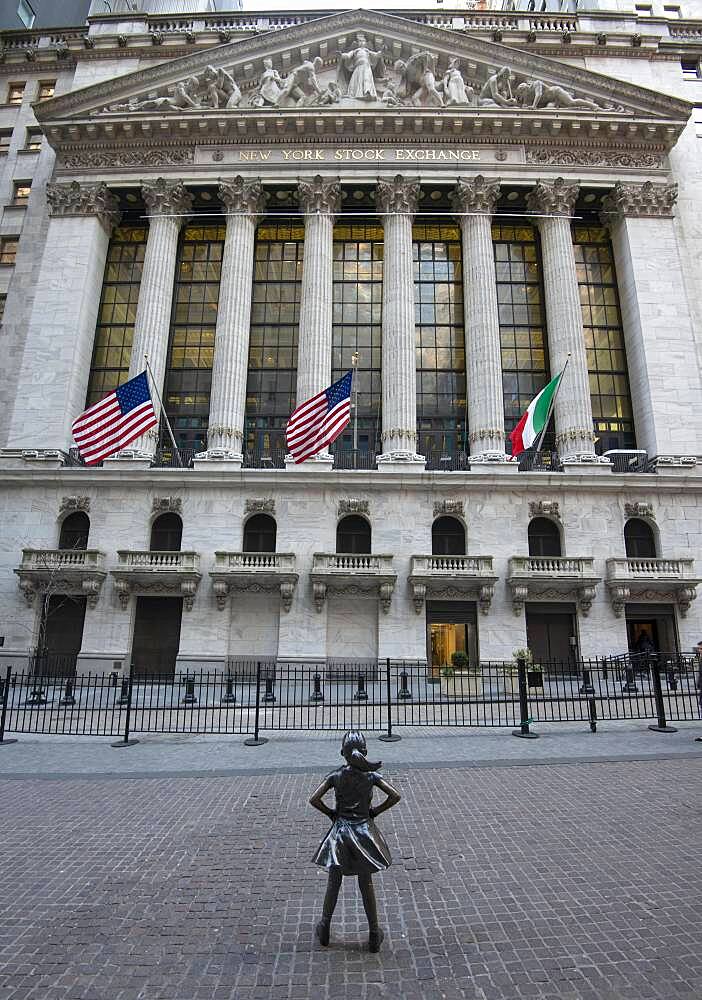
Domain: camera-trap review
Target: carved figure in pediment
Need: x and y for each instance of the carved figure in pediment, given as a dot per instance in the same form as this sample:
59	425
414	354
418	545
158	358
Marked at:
358	69
270	87
534	94
497	90
455	89
418	80
184	96
301	86
389	94
220	88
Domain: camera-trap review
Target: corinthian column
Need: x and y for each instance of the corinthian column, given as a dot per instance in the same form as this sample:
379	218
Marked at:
552	204
397	200
320	200
475	202
167	202
244	202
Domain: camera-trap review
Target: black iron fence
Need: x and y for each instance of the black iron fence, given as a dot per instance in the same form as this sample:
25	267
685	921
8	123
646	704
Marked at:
253	696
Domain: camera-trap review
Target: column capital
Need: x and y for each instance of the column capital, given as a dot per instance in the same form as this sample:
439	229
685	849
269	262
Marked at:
320	195
399	195
552	197
74	199
164	197
641	201
477	195
243	196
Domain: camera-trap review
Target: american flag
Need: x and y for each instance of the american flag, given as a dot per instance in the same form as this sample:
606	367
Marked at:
320	420
115	421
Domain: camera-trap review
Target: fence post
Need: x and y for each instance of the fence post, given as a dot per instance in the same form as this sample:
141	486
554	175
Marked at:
661	726
592	713
361	693
229	698
256	740
68	697
586	686
524	719
388	737
317	694
3	710
125	741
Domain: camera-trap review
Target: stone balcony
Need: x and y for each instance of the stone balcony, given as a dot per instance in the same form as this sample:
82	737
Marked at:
157	574
669	580
451	578
254	571
352	574
79	572
552	578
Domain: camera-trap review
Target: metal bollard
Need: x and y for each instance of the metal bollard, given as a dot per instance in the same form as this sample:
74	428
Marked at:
113	679
68	698
317	694
586	686
189	696
124	692
229	697
3	708
37	697
524	719
404	691
269	696
629	686
361	694
592	714
661	724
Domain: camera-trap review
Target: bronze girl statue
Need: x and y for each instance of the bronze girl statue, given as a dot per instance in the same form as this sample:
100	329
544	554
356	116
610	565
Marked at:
354	845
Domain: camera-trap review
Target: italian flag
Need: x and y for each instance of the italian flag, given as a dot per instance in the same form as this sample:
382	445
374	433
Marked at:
533	421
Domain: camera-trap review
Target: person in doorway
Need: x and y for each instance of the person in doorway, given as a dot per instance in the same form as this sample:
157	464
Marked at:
644	644
353	845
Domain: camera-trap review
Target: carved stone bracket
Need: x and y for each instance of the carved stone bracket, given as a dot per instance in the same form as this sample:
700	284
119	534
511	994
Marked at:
124	592
685	596
544	508
485	596
555	197
618	595
647	200
397	196
73	504
385	595
477	195
29	591
74	199
259	505
186	588
450	508
586	595
419	596
221	592
319	594
164	197
352	506
640	509
243	196
520	592
320	196
167	505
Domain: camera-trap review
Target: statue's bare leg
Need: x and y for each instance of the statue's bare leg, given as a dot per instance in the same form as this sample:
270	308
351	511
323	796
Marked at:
375	935
328	906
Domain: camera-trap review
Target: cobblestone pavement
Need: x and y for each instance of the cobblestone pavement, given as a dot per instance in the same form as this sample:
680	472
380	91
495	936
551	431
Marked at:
553	882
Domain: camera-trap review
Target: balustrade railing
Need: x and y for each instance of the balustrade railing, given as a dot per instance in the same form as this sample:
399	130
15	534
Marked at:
138	560
341	562
451	565
671	568
550	566
53	559
281	562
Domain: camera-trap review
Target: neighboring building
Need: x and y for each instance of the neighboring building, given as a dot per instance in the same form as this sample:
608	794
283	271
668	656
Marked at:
464	199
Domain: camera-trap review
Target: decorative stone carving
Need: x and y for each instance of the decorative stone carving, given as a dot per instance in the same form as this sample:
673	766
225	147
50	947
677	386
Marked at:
645	200
270	87
221	592
497	90
619	596
398	196
350	506
485	596
385	596
450	508
535	94
456	91
520	592
319	595
212	88
164	197
287	591
640	509
259	505
302	88
552	198
137	157
592	157
419	596
685	596
74	199
586	595
544	508
124	592
418	81
320	196
72	504
243	196
357	70
476	195
166	505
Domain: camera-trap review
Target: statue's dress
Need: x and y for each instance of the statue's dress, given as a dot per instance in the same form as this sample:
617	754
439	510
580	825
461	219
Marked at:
354	845
361	84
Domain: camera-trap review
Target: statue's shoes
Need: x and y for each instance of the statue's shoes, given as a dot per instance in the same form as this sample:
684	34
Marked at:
322	932
375	939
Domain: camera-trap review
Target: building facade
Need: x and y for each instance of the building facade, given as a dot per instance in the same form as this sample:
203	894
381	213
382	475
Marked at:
457	205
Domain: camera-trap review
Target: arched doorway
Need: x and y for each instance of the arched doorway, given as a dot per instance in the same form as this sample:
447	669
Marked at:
544	538
639	539
448	537
353	535
74	531
260	533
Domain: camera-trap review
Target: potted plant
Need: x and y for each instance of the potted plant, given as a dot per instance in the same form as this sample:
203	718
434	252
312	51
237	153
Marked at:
535	677
460	680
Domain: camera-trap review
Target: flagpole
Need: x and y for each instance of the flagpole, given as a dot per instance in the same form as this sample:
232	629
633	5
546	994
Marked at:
354	390
163	412
551	407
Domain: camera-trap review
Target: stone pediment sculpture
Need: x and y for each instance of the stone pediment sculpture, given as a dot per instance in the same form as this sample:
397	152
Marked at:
349	63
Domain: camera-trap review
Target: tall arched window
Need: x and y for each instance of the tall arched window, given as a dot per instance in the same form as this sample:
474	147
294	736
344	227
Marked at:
544	538
166	533
74	531
448	537
259	533
639	539
353	535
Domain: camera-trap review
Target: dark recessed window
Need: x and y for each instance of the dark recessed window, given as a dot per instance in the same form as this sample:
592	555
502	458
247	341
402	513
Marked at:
20	192
34	138
5	139
544	538
8	250
353	535
690	68
639	540
166	533
259	534
74	531
448	537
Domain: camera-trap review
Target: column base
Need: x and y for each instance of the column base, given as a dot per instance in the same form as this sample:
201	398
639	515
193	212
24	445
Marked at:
324	462
218	459
401	461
